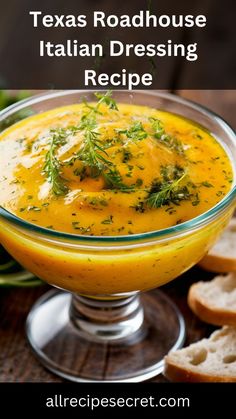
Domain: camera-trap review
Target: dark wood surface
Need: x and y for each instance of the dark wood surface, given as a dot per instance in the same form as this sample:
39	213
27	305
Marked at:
17	363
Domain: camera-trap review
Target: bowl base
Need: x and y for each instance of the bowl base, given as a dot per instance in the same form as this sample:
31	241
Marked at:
59	346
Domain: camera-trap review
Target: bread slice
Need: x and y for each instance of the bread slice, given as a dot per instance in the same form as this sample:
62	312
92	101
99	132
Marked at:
214	301
222	256
209	360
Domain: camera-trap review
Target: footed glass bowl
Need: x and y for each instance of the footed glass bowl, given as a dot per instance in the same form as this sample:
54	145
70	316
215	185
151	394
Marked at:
99	325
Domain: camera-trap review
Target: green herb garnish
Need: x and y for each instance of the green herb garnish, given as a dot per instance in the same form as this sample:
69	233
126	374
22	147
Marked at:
164	138
139	207
164	193
108	220
127	155
171	172
52	167
136	132
92	154
75	225
139	182
89	154
34	208
207	184
107	100
196	201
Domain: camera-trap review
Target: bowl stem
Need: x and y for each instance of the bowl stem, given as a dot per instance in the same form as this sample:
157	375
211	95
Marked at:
109	319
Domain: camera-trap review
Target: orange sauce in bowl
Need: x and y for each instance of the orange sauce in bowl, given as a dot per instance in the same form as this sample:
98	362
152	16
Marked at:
110	170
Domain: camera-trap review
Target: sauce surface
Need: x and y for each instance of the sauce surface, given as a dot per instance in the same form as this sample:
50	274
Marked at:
110	169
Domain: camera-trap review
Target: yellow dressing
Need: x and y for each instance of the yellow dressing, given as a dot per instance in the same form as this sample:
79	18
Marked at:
164	170
90	205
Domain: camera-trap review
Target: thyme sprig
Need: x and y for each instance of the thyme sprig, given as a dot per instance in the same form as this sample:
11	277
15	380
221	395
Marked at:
93	154
135	132
164	193
95	159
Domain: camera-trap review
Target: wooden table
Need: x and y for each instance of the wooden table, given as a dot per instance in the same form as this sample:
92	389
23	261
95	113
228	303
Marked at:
17	363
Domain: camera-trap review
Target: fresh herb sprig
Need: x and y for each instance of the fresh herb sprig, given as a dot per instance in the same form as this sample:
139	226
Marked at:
93	154
94	157
164	193
135	132
107	100
12	275
89	153
52	166
164	138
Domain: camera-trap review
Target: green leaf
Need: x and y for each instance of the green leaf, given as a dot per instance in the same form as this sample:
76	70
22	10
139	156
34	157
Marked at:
52	166
107	100
136	132
164	193
19	279
7	265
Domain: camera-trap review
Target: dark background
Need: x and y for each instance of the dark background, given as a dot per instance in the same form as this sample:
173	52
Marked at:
21	66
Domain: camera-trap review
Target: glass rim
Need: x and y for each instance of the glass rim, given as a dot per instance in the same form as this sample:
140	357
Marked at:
181	228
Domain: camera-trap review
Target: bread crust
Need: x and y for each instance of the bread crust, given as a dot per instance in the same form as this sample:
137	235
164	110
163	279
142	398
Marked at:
208	314
176	373
221	264
215	262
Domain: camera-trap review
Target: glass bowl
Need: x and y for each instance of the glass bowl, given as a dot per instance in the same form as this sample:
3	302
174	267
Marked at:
102	327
